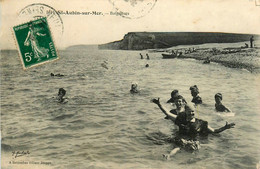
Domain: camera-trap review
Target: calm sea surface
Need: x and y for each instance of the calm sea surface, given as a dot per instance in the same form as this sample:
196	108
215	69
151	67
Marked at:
104	126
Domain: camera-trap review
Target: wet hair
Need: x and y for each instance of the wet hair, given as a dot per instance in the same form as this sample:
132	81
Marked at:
218	95
174	92
134	85
63	91
194	88
180	97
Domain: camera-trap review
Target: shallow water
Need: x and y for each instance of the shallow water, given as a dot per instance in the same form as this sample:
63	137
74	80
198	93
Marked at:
104	126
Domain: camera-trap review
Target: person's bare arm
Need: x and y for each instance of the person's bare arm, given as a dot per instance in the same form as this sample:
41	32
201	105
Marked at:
227	109
227	126
164	110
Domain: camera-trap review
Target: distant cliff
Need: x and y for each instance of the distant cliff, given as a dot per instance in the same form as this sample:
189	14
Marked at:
153	40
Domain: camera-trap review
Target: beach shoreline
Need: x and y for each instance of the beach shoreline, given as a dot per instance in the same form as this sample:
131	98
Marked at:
247	58
233	55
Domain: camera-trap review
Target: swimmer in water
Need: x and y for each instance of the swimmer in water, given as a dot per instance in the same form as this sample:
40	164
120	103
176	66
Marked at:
174	95
187	118
218	105
61	94
134	88
180	104
195	94
141	56
59	75
147	65
189	126
147	56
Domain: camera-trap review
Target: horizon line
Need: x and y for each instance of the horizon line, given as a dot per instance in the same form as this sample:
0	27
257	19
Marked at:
63	48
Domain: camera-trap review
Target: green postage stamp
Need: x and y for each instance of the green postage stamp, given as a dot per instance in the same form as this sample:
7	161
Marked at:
35	43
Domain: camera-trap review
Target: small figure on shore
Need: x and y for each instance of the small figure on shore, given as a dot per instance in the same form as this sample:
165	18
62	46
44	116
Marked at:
147	56
207	61
195	94
189	126
218	105
246	45
141	56
252	42
173	52
147	65
58	75
134	89
61	94
179	54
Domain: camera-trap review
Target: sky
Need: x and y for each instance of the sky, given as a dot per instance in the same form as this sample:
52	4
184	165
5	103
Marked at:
231	16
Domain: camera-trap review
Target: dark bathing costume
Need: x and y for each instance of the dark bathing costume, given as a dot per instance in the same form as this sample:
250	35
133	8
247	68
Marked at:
191	129
197	100
220	107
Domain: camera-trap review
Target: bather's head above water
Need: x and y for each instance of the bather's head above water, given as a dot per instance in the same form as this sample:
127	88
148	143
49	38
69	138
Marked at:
134	88
174	93
218	97
180	102
189	112
194	90
61	92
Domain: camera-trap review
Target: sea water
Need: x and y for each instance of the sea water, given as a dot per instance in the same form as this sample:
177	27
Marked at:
104	126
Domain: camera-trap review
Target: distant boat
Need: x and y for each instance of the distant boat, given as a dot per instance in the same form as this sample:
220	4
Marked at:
169	56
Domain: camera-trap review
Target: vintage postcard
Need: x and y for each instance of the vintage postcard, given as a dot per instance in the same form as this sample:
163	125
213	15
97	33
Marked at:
130	84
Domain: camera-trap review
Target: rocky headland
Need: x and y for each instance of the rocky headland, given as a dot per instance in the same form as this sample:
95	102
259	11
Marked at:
228	49
156	40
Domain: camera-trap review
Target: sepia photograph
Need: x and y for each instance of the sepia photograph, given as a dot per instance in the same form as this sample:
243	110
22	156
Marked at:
130	84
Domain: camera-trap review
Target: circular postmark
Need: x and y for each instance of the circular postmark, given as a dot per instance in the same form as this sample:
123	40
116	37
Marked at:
39	10
133	9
